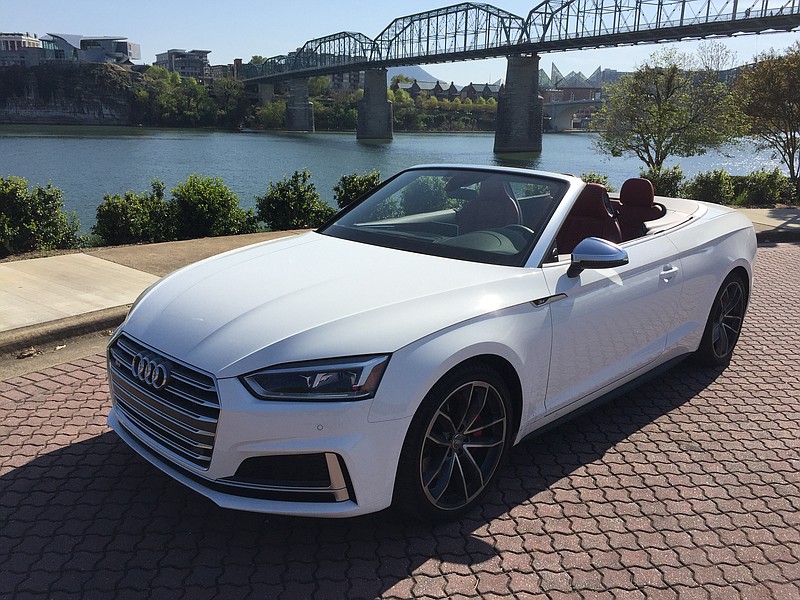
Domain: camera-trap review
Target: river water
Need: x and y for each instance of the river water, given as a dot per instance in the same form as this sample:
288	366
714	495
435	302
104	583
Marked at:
88	162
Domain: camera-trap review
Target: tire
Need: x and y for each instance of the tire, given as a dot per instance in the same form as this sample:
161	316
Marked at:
724	323
456	442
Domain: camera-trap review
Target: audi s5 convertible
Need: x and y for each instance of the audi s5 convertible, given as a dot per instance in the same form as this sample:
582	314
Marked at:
395	355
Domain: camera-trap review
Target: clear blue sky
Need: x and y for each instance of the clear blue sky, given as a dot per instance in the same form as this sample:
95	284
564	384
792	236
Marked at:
239	29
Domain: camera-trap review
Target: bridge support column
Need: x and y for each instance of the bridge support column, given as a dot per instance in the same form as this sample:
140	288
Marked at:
299	110
519	110
266	92
375	110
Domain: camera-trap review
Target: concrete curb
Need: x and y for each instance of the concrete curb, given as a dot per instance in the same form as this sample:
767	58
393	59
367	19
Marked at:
60	330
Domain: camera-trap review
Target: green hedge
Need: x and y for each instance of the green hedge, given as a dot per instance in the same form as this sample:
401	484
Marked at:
33	220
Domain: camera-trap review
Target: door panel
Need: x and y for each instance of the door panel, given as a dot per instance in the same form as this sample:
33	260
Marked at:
612	321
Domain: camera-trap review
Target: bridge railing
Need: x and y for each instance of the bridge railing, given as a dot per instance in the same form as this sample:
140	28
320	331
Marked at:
553	21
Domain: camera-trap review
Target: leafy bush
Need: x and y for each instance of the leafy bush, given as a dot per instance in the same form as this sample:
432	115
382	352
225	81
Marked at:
34	220
204	206
135	218
666	182
271	116
763	187
293	204
715	186
602	179
352	187
426	194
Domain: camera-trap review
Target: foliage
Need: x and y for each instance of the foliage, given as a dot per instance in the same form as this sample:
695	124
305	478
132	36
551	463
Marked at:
426	194
166	99
763	188
769	92
34	219
293	204
601	178
335	116
204	206
317	86
715	186
135	218
271	116
666	182
257	59
351	187
231	102
666	108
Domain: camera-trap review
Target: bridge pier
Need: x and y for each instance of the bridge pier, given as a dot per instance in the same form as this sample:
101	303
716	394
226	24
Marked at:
299	110
519	109
266	93
375	110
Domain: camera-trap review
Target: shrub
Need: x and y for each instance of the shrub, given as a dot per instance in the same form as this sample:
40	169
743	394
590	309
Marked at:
592	177
204	206
666	182
763	187
293	204
135	218
34	220
352	187
426	194
715	186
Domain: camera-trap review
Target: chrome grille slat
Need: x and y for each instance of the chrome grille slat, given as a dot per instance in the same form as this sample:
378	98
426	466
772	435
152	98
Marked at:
152	401
180	420
186	430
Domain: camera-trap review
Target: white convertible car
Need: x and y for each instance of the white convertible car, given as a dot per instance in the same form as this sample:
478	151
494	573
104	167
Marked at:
395	355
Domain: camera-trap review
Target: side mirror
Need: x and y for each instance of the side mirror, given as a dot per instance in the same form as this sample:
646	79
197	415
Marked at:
594	253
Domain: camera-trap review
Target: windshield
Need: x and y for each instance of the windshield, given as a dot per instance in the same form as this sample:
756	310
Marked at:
487	216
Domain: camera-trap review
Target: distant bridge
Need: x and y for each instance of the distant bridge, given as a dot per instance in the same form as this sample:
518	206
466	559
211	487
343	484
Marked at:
470	31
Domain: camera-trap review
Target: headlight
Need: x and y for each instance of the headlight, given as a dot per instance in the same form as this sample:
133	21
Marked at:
353	378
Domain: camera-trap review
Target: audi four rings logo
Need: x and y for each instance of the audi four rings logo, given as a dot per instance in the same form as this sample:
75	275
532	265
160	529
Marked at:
148	370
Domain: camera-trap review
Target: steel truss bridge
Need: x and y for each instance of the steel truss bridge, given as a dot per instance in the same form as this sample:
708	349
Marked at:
470	31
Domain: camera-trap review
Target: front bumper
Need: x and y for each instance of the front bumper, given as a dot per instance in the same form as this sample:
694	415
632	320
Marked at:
294	458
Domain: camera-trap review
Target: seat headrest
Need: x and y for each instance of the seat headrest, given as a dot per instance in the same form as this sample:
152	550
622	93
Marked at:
637	192
593	203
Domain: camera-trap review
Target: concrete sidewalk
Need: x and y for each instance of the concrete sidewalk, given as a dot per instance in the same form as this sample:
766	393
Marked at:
43	300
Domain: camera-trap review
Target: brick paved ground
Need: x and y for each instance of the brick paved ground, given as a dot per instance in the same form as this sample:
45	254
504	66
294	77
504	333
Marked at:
688	487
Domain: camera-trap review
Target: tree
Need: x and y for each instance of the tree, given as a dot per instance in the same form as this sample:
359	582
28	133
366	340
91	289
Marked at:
318	86
352	187
769	91
257	59
293	204
666	108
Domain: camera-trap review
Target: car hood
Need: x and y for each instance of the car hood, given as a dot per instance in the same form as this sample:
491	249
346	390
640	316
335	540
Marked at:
314	296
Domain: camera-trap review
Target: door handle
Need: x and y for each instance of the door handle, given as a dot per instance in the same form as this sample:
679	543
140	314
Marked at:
668	272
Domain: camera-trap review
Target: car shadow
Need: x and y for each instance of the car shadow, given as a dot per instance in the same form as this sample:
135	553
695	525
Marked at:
95	519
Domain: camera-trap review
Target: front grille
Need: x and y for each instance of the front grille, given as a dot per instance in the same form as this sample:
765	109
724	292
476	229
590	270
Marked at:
178	420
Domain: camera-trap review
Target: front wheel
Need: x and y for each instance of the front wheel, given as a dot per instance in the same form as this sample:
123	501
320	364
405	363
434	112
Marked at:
459	437
724	323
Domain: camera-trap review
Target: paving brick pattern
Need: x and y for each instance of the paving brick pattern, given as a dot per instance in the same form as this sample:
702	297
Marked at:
688	487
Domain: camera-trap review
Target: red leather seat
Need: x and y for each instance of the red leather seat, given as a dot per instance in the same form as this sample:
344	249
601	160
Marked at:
492	207
591	216
636	207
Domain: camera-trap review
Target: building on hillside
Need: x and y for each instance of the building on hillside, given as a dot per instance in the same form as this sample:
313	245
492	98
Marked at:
102	49
25	50
192	63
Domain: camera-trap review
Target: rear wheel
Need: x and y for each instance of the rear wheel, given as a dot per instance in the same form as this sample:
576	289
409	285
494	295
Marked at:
724	322
459	437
